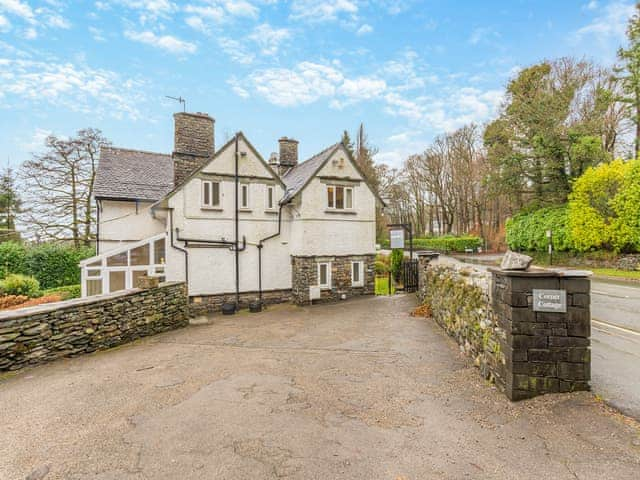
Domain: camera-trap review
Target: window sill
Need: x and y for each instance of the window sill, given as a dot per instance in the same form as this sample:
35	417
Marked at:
244	210
211	209
325	288
270	211
346	212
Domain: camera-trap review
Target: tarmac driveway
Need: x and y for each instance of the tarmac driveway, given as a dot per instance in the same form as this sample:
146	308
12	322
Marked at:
353	390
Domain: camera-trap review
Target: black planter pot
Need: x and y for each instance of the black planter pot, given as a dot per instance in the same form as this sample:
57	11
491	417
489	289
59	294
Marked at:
228	308
255	306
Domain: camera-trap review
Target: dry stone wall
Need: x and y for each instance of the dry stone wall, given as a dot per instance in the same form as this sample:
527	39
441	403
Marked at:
490	314
40	334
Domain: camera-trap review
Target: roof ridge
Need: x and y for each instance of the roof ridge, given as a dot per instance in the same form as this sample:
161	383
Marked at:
330	147
111	147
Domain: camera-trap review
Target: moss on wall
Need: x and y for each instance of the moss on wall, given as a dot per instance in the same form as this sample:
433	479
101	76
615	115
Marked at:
460	303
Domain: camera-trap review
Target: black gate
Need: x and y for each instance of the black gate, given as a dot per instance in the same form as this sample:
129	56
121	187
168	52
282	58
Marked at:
410	275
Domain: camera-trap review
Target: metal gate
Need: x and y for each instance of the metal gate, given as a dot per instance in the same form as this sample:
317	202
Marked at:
410	275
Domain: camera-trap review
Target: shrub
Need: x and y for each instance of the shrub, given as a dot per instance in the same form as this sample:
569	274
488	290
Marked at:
381	267
55	265
397	257
592	212
17	284
626	204
528	231
12	258
446	243
67	292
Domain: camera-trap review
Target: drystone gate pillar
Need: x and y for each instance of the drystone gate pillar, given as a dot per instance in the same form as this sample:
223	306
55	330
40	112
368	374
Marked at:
547	320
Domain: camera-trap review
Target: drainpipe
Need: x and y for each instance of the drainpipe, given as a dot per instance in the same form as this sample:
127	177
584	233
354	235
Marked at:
97	227
260	245
237	227
183	250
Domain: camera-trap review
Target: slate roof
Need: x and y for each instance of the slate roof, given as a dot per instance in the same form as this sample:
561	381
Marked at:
133	174
297	178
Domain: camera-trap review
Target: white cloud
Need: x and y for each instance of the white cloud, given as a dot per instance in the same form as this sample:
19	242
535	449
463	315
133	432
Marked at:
268	38
213	13
165	42
364	29
72	86
362	88
30	33
36	142
241	8
57	21
483	35
609	24
19	9
236	51
322	10
97	34
5	24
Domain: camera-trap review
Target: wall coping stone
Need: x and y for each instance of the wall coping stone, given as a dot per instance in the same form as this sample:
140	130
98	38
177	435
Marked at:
543	272
74	302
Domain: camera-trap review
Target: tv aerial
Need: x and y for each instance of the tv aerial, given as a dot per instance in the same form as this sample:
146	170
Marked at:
180	100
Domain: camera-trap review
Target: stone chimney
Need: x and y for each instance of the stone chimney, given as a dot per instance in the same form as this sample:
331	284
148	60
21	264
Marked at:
193	143
288	153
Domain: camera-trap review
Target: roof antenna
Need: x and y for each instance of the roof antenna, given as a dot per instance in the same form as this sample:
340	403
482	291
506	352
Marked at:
181	100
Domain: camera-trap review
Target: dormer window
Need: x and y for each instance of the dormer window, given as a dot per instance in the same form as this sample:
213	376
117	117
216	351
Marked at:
210	194
339	198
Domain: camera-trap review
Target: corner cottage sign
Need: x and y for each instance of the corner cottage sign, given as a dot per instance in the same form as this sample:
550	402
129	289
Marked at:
550	301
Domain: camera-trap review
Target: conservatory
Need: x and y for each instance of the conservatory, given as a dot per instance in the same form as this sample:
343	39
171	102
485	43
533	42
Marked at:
120	268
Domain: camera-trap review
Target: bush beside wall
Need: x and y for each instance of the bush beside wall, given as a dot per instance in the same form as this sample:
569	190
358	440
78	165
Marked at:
446	243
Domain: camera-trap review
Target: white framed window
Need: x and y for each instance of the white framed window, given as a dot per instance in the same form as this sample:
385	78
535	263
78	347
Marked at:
339	197
357	274
244	195
210	193
324	275
270	199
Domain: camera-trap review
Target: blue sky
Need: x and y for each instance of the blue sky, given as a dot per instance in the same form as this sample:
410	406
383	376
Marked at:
307	69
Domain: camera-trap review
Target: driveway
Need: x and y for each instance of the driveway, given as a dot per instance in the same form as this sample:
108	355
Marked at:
356	390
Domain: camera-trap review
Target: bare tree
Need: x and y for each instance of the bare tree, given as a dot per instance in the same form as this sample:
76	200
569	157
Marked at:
59	187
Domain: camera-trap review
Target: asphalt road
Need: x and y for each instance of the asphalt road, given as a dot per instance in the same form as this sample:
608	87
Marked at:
615	344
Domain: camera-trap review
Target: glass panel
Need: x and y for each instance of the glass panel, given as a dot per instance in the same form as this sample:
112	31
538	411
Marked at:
95	264
206	193
215	194
330	197
348	197
116	281
94	287
356	272
323	274
140	255
93	273
162	279
118	260
340	197
159	252
159	270
245	196
135	275
270	197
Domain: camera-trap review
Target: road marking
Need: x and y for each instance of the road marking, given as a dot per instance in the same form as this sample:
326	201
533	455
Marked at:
611	325
609	294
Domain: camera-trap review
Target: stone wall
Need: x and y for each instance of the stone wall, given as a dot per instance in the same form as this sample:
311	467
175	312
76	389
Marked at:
204	304
35	335
490	314
193	143
305	274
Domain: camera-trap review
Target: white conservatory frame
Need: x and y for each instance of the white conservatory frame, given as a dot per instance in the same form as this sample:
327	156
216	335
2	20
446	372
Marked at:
99	264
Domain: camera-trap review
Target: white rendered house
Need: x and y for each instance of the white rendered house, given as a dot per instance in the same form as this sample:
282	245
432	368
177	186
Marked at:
233	226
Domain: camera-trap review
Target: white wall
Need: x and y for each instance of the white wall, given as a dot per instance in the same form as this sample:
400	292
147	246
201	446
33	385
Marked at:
212	270
120	223
316	231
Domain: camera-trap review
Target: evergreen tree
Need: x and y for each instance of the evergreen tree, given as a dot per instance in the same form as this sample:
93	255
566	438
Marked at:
10	206
347	142
629	73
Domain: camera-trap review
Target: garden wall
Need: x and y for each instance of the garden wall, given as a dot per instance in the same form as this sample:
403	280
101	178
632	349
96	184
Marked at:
490	314
40	334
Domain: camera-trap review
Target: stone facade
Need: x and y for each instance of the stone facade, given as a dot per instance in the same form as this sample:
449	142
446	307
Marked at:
305	275
288	152
193	143
35	335
490	314
202	305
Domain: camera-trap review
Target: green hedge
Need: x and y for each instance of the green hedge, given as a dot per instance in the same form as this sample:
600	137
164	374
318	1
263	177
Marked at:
528	231
446	243
53	265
